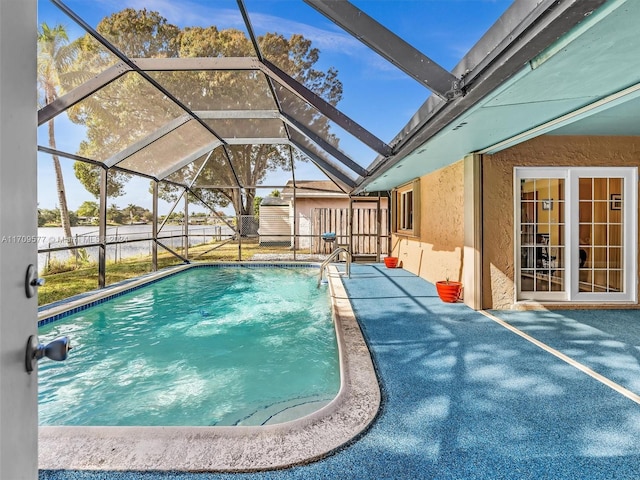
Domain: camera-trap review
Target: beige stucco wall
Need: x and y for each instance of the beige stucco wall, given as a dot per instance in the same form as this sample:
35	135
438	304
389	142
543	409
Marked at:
305	205
437	253
498	221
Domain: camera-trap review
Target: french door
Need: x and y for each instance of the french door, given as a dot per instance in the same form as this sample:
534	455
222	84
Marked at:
576	234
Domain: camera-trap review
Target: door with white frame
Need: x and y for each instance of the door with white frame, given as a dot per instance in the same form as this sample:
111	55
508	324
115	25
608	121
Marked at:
576	234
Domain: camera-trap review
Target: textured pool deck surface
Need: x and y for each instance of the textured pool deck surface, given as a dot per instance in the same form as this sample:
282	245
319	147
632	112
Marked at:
508	395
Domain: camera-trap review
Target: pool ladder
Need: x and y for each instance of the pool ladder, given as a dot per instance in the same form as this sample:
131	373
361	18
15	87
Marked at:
332	257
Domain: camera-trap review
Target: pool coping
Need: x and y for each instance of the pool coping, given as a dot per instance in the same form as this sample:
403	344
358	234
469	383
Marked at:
236	448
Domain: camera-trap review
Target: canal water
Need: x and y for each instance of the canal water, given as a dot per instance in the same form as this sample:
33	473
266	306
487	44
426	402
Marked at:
137	240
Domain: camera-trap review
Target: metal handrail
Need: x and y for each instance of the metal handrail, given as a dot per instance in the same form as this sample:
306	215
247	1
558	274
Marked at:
333	256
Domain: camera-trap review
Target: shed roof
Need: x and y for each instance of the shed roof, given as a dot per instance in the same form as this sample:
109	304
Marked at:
273	202
314	188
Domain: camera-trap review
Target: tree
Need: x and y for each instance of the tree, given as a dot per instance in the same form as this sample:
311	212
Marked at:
48	217
256	206
130	210
233	90
129	111
135	213
54	57
88	209
89	176
146	215
174	217
120	113
114	214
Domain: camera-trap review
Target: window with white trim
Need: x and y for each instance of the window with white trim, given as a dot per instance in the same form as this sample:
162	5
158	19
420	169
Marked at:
405	209
576	232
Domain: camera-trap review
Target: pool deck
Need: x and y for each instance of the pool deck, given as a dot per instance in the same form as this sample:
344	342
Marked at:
477	395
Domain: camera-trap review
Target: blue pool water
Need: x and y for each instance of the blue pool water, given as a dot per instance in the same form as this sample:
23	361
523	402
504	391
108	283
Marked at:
207	346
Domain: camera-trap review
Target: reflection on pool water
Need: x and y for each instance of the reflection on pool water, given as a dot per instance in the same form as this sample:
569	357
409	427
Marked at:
206	346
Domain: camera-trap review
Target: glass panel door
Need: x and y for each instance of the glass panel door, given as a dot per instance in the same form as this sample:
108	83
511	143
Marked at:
542	239
576	234
600	235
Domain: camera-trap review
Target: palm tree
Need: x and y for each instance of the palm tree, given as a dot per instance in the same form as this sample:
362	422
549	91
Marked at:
132	209
55	54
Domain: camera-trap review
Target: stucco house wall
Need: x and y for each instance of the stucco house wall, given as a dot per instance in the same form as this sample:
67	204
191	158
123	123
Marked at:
437	253
304	205
498	202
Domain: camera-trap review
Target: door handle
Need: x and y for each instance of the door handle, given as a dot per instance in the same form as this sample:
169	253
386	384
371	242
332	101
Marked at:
57	349
32	281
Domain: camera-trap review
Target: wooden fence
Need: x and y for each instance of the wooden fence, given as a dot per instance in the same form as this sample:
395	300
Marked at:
364	230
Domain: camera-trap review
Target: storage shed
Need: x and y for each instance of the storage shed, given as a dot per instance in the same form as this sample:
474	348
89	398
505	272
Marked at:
275	224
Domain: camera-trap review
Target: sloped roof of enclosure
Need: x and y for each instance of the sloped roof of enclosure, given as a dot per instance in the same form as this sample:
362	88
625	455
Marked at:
191	139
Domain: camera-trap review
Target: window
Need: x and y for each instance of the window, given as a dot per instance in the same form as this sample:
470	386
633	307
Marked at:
574	229
405	209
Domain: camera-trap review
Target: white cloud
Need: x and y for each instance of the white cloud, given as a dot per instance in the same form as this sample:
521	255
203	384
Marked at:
182	13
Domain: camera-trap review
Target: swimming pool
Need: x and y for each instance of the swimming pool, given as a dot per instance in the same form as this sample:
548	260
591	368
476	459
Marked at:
206	346
222	448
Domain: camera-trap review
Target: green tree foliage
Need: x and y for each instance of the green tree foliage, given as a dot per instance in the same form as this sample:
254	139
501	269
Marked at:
256	206
136	214
174	217
51	218
47	217
88	209
125	111
89	176
128	110
115	215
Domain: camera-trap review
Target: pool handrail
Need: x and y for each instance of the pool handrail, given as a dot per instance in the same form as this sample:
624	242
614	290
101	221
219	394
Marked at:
332	257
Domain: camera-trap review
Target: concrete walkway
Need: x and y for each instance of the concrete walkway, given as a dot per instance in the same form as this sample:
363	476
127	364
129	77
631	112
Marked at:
464	397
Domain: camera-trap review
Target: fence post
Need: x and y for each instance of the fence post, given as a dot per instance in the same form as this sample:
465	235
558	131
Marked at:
154	228
75	250
102	231
239	233
185	250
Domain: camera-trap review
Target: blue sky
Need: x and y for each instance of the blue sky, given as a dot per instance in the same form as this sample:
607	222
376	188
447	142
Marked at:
376	94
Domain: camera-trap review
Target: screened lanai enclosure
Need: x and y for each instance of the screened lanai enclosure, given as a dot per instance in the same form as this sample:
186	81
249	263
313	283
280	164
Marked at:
235	130
228	135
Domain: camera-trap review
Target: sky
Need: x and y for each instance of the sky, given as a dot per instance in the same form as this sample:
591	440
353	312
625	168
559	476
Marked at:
376	94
